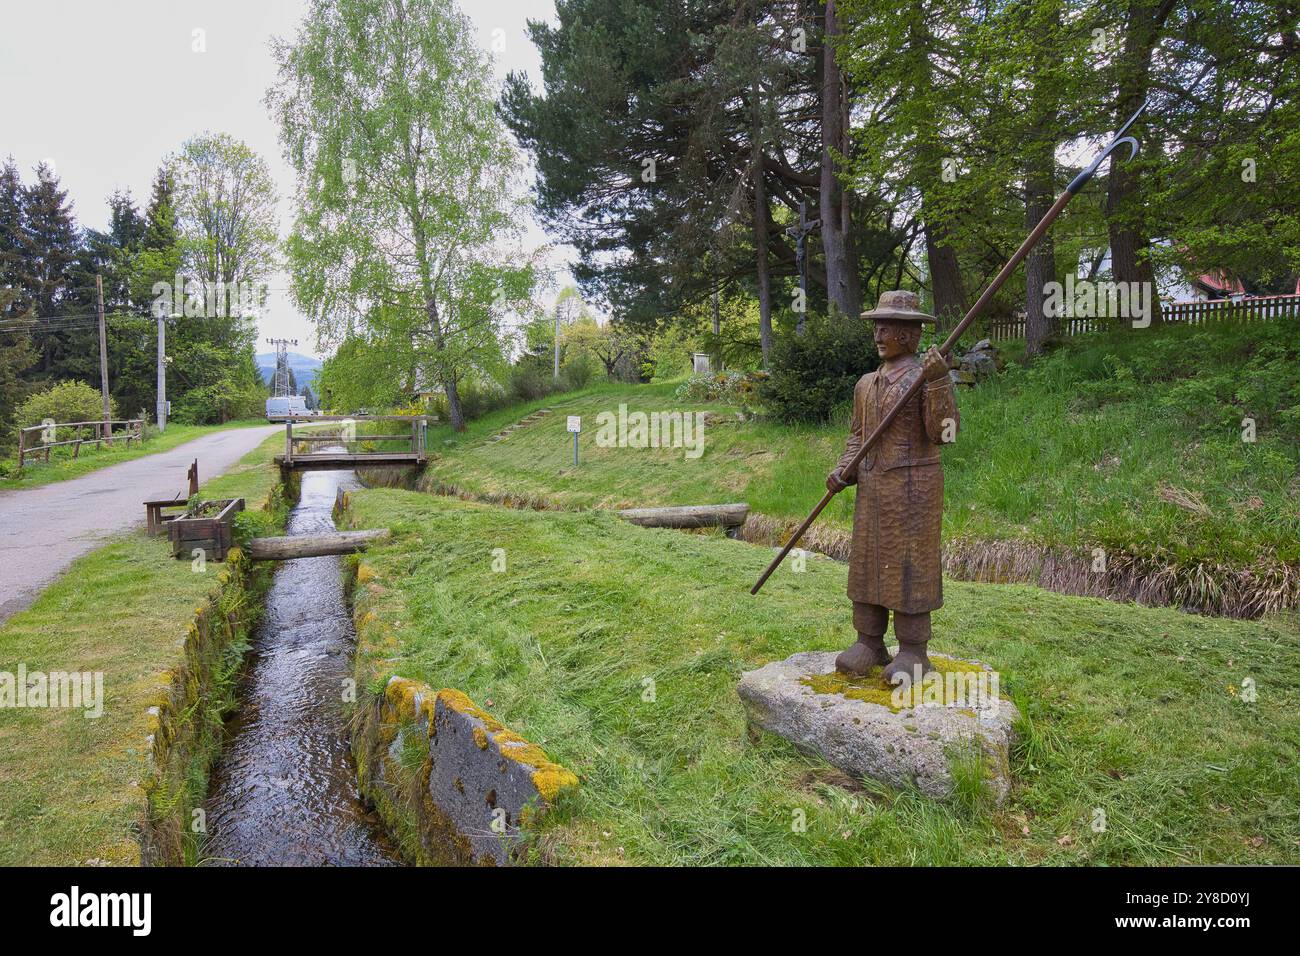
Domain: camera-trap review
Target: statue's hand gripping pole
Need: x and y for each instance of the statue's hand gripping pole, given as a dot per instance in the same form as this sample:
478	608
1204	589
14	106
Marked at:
1030	241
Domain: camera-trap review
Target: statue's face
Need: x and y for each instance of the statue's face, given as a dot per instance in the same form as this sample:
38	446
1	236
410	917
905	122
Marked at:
895	339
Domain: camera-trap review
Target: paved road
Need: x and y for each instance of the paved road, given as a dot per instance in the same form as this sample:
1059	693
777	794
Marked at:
43	530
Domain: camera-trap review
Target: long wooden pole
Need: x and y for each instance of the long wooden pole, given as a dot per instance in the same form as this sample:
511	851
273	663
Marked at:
1030	241
103	356
161	398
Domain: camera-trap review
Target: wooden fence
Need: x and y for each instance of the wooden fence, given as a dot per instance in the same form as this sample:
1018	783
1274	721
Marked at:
1263	308
132	431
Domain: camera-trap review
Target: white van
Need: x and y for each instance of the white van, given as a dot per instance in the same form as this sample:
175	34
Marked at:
286	407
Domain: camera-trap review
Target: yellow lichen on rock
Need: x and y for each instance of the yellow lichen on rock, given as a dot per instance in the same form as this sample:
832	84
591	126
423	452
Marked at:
548	777
408	700
461	703
553	780
873	689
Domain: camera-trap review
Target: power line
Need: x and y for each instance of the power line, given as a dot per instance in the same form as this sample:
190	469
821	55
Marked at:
58	321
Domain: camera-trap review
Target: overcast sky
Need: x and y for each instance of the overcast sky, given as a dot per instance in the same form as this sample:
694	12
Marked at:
104	89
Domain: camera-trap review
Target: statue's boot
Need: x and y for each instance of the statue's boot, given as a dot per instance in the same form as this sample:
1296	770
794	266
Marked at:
913	633
867	652
870	621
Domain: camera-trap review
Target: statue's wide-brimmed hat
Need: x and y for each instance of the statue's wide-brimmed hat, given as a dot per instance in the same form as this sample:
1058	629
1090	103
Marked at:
898	306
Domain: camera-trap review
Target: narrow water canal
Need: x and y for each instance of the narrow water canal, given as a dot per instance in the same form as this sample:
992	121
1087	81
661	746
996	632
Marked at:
284	791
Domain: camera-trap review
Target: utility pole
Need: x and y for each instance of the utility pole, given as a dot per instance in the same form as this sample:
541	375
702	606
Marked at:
161	412
103	356
557	340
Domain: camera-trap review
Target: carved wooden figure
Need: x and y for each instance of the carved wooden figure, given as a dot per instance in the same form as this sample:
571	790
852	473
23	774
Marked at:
894	564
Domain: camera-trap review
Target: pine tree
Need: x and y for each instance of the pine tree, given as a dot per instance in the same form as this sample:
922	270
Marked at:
16	356
112	256
158	258
50	244
11	240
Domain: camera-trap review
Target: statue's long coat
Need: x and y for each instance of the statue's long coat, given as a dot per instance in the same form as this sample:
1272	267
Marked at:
894	560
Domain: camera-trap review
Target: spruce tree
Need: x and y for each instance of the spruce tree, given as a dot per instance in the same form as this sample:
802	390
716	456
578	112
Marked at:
50	244
11	240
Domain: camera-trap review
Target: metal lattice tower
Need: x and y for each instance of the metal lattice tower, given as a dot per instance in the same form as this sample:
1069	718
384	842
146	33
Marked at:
280	383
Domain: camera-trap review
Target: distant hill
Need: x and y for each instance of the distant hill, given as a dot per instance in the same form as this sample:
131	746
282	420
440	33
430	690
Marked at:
304	368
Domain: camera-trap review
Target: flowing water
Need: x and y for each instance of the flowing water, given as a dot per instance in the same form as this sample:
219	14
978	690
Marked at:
284	791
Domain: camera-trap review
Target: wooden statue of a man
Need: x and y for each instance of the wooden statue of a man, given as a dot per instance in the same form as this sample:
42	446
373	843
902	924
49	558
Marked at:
894	564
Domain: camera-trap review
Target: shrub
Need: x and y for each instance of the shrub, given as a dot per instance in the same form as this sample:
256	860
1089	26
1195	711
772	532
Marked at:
730	386
815	372
479	398
531	378
69	401
219	403
578	372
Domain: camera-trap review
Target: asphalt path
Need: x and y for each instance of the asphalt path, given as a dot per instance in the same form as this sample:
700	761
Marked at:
45	529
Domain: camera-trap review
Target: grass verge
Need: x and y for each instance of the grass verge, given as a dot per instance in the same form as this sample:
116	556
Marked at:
71	788
1126	443
63	466
617	650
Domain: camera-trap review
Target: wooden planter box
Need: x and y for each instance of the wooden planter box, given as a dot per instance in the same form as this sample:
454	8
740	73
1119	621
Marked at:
212	531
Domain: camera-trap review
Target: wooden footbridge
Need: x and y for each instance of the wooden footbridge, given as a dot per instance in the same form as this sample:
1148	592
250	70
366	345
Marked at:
341	430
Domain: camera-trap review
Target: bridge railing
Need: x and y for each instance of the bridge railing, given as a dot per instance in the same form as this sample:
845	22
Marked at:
418	437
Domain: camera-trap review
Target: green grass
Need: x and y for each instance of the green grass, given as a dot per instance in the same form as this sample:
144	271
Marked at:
63	466
69	789
1134	711
1101	446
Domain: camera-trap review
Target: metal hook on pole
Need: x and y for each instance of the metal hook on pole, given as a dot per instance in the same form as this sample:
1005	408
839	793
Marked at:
1078	182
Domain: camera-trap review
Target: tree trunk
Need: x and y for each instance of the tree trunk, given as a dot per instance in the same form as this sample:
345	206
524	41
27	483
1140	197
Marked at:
314	545
761	217
1040	185
1124	214
950	302
688	516
447	377
764	275
1040	264
842	284
454	410
1128	241
717	328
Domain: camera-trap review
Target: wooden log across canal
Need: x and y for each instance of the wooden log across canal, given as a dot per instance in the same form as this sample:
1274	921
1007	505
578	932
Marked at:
689	516
313	545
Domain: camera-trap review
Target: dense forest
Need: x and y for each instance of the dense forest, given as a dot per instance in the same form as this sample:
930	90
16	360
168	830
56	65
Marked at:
737	178
195	256
683	149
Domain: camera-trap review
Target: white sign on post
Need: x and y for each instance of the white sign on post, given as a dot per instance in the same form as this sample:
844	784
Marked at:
575	423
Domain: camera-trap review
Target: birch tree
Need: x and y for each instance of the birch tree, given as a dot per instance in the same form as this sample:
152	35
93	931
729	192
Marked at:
406	216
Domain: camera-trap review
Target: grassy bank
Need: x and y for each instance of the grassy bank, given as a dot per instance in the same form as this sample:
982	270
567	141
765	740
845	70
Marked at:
1129	443
1134	711
71	787
62	465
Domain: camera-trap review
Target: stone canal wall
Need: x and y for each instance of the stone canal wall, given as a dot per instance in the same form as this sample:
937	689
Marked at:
191	700
452	784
